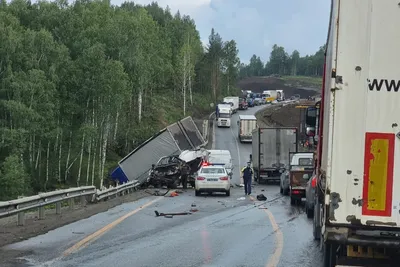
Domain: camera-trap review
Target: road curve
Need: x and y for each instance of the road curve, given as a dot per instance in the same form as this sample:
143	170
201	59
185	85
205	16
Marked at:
225	231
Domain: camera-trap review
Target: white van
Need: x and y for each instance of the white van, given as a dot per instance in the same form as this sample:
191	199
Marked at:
221	157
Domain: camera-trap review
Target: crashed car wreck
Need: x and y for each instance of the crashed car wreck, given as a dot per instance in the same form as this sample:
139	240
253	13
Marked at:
172	171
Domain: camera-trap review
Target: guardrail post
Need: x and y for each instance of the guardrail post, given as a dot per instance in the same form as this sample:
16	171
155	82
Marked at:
58	208
83	200
21	218
71	203
41	213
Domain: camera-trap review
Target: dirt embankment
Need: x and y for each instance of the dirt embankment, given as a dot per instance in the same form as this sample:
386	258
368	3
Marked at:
282	116
290	88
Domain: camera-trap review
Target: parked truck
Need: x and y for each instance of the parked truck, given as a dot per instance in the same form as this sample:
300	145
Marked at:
270	152
280	95
234	101
271	95
301	168
224	117
356	211
246	123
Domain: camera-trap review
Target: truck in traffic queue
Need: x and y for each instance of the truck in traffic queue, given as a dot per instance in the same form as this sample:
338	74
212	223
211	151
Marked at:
270	152
246	123
301	168
234	100
224	116
356	211
271	95
243	104
280	95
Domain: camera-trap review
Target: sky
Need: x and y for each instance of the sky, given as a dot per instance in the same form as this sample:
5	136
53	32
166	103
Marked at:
256	25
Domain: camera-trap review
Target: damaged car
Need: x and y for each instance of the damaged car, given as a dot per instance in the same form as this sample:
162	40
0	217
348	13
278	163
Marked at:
172	171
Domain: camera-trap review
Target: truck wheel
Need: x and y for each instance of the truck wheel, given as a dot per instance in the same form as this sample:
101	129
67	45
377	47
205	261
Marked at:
292	201
316	220
329	257
228	193
281	190
196	193
309	212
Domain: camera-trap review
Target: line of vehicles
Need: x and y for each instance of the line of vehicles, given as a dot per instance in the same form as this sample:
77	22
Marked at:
351	182
232	104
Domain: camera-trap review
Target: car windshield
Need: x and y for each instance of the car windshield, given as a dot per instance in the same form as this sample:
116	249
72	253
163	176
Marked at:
213	170
224	115
217	159
304	162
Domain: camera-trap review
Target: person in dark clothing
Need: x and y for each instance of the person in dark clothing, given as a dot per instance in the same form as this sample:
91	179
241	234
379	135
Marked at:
247	174
216	112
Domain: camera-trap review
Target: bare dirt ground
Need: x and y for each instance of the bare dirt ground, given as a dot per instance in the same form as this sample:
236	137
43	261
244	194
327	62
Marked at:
11	233
282	116
292	87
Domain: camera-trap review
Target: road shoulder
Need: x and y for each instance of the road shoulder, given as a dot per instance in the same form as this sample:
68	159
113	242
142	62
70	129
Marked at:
11	233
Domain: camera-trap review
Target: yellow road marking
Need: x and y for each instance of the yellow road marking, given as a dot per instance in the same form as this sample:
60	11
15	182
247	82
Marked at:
106	228
275	257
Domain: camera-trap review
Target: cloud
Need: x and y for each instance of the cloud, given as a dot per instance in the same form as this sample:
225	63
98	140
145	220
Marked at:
256	25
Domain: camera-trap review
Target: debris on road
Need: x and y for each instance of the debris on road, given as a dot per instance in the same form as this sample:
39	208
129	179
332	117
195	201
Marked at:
241	198
156	192
174	194
158	214
261	197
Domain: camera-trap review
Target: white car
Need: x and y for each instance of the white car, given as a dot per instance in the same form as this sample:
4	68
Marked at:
213	178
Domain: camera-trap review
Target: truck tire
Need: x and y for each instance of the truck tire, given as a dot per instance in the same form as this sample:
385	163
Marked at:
316	221
228	193
309	212
197	193
292	201
281	190
329	255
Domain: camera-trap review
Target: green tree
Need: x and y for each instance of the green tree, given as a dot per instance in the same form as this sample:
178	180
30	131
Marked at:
83	84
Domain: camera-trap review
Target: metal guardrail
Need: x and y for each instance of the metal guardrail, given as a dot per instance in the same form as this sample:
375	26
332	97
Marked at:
40	201
118	190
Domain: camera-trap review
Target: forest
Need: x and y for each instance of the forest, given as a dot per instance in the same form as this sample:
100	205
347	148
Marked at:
281	63
83	84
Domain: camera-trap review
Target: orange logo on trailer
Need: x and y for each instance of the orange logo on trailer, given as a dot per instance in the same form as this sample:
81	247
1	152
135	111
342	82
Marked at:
378	174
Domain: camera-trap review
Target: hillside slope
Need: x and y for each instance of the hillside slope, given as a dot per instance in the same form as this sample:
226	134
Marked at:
304	86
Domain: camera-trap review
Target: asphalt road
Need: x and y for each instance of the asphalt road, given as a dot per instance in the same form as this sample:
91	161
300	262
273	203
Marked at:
225	231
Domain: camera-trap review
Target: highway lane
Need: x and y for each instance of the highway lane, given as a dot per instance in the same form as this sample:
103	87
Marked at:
225	231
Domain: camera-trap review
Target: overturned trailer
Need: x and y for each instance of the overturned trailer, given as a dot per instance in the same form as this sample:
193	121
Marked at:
170	141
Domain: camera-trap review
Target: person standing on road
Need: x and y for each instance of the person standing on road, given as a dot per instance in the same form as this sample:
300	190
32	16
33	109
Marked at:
247	174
